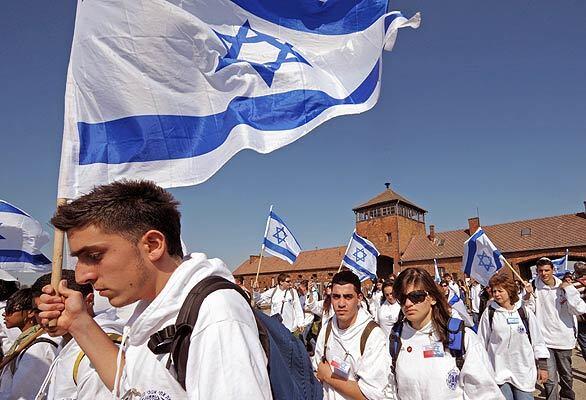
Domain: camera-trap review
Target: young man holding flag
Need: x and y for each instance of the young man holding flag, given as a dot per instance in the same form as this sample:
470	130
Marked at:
126	236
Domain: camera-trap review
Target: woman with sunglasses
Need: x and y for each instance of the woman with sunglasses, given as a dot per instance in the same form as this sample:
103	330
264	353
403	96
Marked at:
513	340
424	366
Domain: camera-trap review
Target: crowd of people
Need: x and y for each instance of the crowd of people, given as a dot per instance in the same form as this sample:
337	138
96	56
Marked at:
408	337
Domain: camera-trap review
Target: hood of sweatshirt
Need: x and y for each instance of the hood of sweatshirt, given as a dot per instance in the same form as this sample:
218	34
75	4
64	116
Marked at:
497	307
151	316
356	329
539	284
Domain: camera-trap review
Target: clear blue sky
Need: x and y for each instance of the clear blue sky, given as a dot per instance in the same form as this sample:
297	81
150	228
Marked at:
483	106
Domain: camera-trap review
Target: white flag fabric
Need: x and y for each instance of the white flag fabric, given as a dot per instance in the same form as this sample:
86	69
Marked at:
170	90
279	241
21	238
481	257
361	257
437	277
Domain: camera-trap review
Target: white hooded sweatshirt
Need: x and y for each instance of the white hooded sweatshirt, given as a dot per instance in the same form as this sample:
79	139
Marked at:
226	359
556	310
387	315
511	353
29	371
59	383
283	302
371	369
435	376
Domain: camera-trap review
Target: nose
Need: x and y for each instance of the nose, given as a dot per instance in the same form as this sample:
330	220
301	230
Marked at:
85	273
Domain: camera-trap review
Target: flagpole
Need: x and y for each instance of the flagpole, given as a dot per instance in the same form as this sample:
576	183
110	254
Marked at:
58	242
347	247
262	246
513	270
566	261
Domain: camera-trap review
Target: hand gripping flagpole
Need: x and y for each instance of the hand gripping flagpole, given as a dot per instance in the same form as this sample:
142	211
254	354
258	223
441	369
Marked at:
262	246
58	242
347	247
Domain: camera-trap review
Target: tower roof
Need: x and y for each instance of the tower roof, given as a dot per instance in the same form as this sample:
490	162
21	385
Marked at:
388	196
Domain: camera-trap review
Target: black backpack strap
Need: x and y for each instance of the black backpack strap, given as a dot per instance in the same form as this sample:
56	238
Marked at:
175	339
327	337
525	321
365	334
456	346
23	351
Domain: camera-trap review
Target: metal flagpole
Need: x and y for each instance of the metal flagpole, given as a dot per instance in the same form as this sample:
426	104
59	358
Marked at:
262	246
347	247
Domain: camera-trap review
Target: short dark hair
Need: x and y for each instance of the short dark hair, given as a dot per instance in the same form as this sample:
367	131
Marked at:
506	282
129	208
447	275
304	283
282	277
66	274
7	288
238	279
345	278
20	300
580	269
544	261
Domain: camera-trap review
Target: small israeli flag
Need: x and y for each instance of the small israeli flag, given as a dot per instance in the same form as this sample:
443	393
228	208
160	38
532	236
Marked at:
21	238
560	265
437	278
481	257
279	241
361	257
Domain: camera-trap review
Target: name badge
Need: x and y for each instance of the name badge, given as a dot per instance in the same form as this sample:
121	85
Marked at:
512	320
341	368
433	350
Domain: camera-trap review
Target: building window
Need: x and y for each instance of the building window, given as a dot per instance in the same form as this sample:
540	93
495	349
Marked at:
389	237
526	232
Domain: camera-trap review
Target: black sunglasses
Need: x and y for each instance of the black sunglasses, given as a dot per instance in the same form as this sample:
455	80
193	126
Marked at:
416	297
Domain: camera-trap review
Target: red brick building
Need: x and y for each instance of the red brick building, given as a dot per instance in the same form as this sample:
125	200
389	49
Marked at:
397	228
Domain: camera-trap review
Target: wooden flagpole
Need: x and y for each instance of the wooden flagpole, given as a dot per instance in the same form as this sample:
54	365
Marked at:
347	247
262	247
58	244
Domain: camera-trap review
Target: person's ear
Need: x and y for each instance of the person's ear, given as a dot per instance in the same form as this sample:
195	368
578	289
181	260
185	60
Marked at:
89	301
154	244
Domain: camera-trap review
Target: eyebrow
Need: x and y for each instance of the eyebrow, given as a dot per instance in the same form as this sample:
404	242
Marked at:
86	249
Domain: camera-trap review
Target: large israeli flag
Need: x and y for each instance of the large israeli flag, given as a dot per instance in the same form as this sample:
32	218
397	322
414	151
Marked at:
481	257
171	90
279	241
560	265
21	238
361	257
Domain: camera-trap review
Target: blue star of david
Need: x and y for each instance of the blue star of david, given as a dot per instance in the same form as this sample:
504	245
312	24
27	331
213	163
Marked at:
245	35
485	261
359	255
277	235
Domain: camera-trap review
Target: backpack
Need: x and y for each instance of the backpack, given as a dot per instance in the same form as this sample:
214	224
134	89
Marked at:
522	314
116	338
290	371
21	354
363	338
455	339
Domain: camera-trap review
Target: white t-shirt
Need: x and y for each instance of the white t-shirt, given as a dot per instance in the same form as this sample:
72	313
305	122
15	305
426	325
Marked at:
434	374
371	369
283	302
387	316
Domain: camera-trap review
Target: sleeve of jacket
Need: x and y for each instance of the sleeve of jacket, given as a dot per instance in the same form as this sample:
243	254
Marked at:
537	341
89	384
484	330
225	352
531	303
31	370
264	297
575	303
297	310
477	375
374	368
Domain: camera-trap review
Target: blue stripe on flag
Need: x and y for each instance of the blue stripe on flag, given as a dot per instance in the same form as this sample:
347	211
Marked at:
348	261
280	250
472	251
9	208
368	247
24	257
279	220
497	259
332	17
167	137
